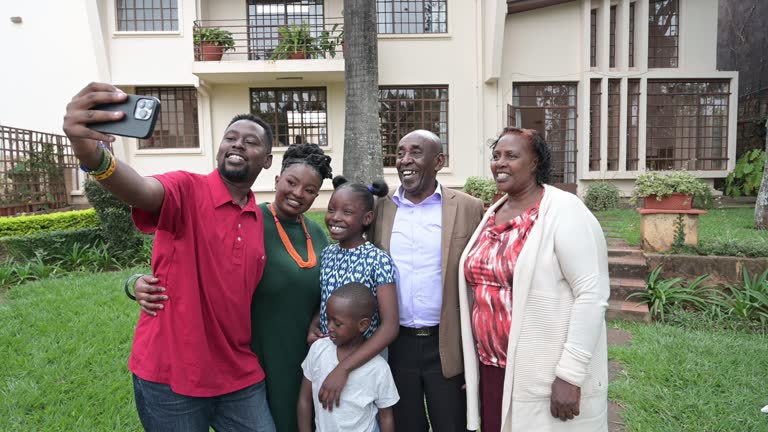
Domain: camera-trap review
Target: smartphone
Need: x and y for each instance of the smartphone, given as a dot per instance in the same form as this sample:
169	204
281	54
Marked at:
141	114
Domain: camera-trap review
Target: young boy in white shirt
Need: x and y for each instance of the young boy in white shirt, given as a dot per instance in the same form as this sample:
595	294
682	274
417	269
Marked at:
370	389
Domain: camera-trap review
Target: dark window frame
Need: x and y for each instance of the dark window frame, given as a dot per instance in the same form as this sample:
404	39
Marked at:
631	62
614	120
663	33
593	38
409	117
389	15
284	130
130	17
612	38
633	124
172	130
687	124
595	95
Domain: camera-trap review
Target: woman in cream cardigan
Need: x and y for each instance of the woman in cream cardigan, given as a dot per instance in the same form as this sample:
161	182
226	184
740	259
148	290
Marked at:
533	292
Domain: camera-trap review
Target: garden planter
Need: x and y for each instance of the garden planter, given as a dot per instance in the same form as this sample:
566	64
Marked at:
299	55
676	201
210	52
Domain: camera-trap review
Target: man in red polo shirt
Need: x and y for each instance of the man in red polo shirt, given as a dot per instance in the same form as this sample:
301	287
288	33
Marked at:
193	367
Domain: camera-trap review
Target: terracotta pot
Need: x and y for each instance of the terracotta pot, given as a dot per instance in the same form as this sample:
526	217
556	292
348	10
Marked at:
210	52
300	55
676	201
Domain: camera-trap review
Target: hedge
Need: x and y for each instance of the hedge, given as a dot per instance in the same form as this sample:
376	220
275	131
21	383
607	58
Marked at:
25	225
53	243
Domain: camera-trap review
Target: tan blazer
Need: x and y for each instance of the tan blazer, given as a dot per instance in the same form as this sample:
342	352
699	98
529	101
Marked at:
461	215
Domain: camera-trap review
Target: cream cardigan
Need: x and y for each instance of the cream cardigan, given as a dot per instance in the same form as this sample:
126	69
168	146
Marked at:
560	293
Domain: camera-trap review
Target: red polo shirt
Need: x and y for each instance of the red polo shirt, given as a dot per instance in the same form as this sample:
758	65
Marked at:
209	255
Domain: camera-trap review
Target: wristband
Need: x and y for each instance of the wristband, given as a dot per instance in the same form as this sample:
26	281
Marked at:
105	157
99	176
131	282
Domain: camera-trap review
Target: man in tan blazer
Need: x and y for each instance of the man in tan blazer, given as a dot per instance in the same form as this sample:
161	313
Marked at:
425	227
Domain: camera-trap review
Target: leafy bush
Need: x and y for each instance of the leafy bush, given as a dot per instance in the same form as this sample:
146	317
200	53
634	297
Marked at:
22	225
54	243
602	196
755	247
662	295
482	188
704	199
746	176
117	229
663	185
749	300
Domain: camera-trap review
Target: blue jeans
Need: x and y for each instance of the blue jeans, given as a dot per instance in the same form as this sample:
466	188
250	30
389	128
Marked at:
162	410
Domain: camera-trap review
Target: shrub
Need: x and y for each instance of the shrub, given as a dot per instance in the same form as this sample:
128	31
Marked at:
54	243
746	176
755	247
23	225
117	229
704	199
662	295
602	196
481	188
748	301
663	185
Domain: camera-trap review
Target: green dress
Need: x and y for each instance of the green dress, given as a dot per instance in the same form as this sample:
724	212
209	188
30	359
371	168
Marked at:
283	305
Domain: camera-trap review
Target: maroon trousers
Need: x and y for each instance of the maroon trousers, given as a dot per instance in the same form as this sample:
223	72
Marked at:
491	394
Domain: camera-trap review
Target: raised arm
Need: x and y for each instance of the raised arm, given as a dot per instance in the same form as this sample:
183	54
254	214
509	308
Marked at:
125	183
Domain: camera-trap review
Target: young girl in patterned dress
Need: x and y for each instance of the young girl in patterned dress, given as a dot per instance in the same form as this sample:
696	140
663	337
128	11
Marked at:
353	259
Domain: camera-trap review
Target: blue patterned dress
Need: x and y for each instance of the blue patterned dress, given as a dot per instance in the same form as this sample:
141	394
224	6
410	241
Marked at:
365	264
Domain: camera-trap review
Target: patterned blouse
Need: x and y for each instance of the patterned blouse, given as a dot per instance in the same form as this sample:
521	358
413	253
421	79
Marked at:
365	264
489	269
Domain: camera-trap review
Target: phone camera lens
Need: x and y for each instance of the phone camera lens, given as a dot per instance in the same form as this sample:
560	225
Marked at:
142	114
141	104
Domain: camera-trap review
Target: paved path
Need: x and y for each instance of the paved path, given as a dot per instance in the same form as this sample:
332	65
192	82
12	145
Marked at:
616	337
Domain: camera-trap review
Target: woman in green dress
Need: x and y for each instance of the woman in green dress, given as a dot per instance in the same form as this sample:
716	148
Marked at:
288	295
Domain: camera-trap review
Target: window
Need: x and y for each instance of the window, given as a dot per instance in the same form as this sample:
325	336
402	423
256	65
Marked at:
297	115
593	38
176	125
412	16
266	17
595	93
633	122
404	109
614	117
631	35
663	30
147	15
550	108
612	57
687	125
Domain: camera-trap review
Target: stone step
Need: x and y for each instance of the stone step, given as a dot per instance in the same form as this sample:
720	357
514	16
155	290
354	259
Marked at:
627	267
620	250
627	311
623	287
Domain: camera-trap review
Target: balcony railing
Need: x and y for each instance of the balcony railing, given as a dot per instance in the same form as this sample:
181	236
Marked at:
243	39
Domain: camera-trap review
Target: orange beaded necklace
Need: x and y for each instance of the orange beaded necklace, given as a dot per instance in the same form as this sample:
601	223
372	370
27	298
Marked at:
311	258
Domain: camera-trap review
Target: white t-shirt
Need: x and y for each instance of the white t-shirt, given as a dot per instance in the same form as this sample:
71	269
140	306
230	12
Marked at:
368	388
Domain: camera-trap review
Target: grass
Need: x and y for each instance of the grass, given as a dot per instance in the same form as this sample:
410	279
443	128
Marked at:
680	380
64	345
735	224
317	216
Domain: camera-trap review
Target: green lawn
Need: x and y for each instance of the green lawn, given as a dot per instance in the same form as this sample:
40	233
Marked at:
691	380
64	345
734	224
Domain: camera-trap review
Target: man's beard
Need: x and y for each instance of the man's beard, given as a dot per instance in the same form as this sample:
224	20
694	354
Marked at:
233	174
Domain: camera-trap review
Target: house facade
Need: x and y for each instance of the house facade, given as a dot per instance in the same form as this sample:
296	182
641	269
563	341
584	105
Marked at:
616	86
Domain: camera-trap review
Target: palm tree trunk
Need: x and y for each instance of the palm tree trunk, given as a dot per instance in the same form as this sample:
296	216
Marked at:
761	204
362	139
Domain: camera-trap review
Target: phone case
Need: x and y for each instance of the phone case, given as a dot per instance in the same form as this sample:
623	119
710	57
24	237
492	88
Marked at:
141	114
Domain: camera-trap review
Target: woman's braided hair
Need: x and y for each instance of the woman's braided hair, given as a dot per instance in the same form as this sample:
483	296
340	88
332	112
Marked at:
311	155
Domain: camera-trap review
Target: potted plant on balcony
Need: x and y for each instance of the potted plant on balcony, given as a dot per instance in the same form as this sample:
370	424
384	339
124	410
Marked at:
673	191
482	188
212	43
296	42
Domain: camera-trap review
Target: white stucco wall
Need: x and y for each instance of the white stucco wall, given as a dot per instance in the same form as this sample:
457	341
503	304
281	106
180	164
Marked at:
47	58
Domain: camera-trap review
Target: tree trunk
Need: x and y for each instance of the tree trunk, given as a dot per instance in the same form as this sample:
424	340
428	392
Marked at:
761	204
362	139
